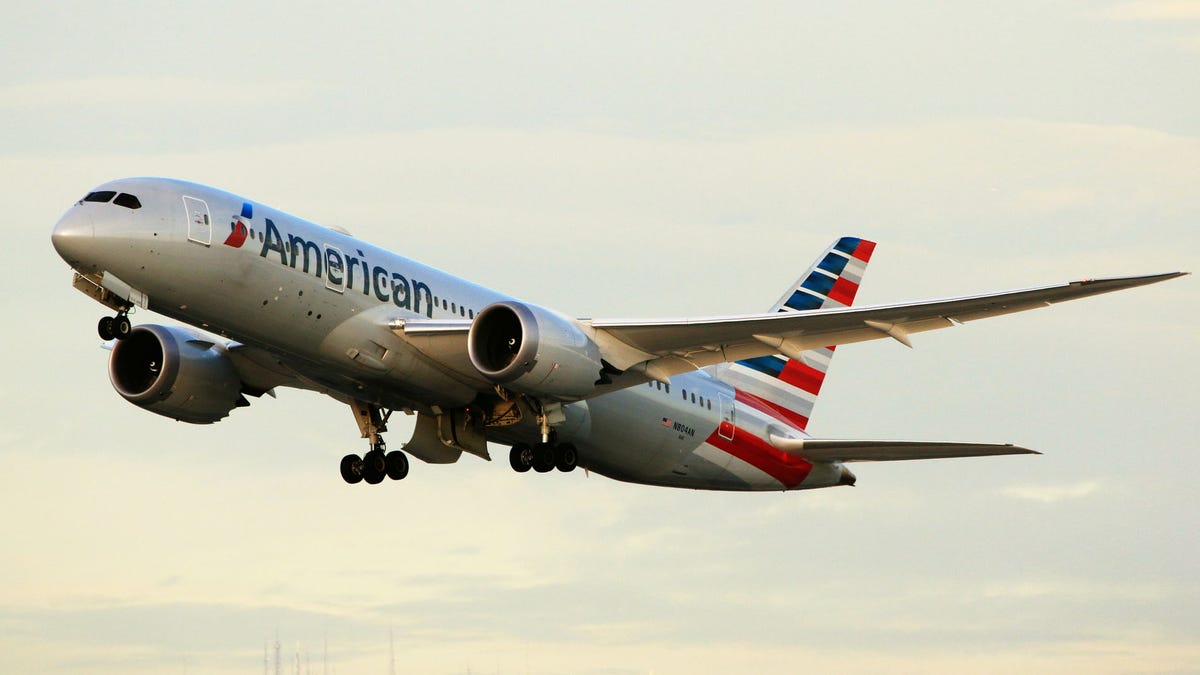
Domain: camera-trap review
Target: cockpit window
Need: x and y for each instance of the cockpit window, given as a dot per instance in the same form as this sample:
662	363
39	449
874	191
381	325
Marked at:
128	201
101	196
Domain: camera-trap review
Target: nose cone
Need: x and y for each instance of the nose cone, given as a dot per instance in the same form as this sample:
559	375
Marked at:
72	235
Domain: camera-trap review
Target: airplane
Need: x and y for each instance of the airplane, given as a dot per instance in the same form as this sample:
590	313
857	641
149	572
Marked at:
271	300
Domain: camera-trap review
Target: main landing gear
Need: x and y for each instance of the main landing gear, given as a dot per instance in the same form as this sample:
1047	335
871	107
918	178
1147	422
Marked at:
374	466
114	327
377	464
543	457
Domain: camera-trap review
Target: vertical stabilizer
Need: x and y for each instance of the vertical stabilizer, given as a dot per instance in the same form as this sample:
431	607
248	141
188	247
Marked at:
788	388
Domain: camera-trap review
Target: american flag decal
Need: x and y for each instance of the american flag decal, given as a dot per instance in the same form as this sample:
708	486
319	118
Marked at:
667	422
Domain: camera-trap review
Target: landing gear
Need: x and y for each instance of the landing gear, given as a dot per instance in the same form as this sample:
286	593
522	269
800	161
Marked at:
352	469
378	463
543	457
374	467
520	458
396	465
566	458
114	327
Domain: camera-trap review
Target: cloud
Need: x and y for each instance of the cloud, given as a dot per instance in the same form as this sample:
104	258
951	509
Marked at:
156	92
1049	494
1073	590
1155	10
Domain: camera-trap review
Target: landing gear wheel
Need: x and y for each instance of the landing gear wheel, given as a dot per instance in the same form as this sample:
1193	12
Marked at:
374	467
396	464
121	327
352	469
543	457
105	328
520	458
565	457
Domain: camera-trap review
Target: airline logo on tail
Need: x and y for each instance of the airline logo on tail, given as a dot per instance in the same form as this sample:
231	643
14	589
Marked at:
787	389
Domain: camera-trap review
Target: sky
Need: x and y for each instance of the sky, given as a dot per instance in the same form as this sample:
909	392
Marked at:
651	159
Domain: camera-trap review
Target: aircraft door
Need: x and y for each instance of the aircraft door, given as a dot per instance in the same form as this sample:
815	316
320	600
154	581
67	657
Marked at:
199	221
728	418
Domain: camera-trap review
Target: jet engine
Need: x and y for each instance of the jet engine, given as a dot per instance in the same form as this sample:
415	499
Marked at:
534	351
175	373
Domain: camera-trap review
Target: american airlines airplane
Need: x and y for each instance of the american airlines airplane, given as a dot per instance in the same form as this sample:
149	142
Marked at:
715	403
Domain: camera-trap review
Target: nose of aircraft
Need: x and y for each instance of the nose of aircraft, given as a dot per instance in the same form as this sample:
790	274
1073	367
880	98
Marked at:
72	235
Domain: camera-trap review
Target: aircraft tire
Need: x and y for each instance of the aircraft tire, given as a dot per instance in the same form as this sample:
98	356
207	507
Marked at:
105	328
566	457
374	467
543	457
121	327
520	458
397	465
352	469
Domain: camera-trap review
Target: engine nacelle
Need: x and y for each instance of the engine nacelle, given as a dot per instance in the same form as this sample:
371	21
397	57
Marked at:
175	373
534	351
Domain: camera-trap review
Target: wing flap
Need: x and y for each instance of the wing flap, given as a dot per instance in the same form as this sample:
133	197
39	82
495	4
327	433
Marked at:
890	451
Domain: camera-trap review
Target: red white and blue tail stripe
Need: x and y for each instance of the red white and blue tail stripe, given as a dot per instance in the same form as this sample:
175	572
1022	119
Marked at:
784	388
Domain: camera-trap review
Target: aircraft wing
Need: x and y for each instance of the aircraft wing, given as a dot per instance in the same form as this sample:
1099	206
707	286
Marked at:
664	348
820	450
657	349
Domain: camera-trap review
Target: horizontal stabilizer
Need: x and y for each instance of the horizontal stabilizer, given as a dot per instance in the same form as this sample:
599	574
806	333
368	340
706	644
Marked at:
890	451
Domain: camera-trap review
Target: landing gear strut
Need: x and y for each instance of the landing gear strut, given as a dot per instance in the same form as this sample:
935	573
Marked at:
117	327
378	463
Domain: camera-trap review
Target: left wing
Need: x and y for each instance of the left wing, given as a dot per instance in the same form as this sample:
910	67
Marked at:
822	450
658	349
704	342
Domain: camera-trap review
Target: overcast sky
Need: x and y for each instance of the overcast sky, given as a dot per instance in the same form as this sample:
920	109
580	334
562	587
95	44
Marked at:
632	159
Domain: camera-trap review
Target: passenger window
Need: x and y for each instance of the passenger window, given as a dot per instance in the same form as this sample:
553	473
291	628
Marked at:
103	196
128	201
684	392
453	308
444	304
693	398
709	404
658	385
471	313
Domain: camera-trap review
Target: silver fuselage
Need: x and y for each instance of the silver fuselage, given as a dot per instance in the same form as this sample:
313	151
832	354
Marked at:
319	299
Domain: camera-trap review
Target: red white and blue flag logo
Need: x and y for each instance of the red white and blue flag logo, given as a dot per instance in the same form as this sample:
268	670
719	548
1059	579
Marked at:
238	229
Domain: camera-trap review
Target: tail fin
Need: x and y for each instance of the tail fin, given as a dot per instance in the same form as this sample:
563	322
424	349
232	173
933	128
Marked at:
787	387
